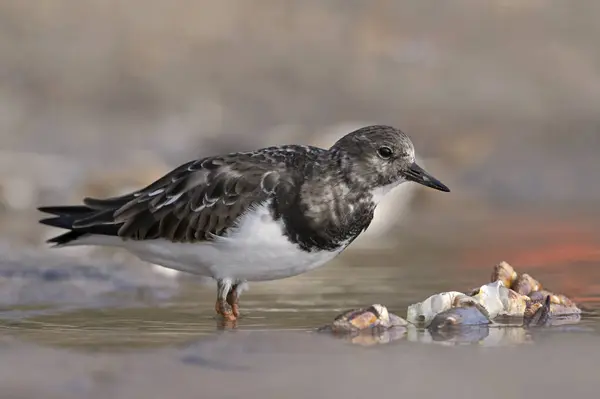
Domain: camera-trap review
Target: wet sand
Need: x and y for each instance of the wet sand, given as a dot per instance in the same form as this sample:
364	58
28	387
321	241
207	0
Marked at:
296	365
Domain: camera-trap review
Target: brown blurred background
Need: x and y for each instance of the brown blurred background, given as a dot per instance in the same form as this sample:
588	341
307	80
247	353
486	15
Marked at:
98	97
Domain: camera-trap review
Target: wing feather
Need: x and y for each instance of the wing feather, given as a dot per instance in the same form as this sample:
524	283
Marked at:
195	202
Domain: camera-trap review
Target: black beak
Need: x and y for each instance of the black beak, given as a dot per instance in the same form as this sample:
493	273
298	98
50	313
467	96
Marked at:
419	175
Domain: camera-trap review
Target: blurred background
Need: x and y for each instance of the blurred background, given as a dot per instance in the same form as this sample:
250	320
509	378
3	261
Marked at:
500	97
100	97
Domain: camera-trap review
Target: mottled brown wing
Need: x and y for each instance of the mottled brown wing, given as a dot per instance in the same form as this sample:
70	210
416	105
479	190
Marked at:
199	200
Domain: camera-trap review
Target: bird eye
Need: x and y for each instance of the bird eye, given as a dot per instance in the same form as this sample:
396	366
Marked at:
384	152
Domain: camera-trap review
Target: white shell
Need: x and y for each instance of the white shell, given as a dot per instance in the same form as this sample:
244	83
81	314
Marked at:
489	297
384	316
424	312
387	319
500	301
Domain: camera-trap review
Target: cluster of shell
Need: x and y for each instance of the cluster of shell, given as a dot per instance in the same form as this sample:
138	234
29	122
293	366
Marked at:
508	294
509	299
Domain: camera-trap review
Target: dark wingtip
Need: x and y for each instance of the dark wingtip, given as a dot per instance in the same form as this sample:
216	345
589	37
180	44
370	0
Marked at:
65	210
54	222
63	239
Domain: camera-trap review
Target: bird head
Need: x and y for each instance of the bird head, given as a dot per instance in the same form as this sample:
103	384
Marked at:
380	158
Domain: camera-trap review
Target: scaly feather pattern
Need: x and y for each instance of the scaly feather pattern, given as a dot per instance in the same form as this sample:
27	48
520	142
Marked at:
195	202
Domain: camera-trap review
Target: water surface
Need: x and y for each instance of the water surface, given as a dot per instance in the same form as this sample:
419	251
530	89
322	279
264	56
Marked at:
99	315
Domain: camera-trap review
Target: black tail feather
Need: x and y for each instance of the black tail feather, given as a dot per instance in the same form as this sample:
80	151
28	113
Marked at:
66	210
67	217
62	222
66	237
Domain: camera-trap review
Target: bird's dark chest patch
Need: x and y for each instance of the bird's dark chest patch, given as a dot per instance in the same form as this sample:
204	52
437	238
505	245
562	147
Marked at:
325	224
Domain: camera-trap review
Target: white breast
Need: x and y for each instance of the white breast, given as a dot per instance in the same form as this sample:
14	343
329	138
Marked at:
379	193
256	250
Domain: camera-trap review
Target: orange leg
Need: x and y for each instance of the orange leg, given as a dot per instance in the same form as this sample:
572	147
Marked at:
232	300
222	306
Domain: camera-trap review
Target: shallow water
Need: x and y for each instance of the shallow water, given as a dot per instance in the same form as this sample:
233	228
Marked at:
100	315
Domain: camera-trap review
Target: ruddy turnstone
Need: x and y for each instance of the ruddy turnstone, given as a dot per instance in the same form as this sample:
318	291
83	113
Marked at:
251	216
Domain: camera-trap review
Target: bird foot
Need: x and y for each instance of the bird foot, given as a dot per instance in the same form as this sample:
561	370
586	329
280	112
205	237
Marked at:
229	313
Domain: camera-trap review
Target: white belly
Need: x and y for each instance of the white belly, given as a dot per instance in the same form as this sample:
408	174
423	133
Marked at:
256	250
